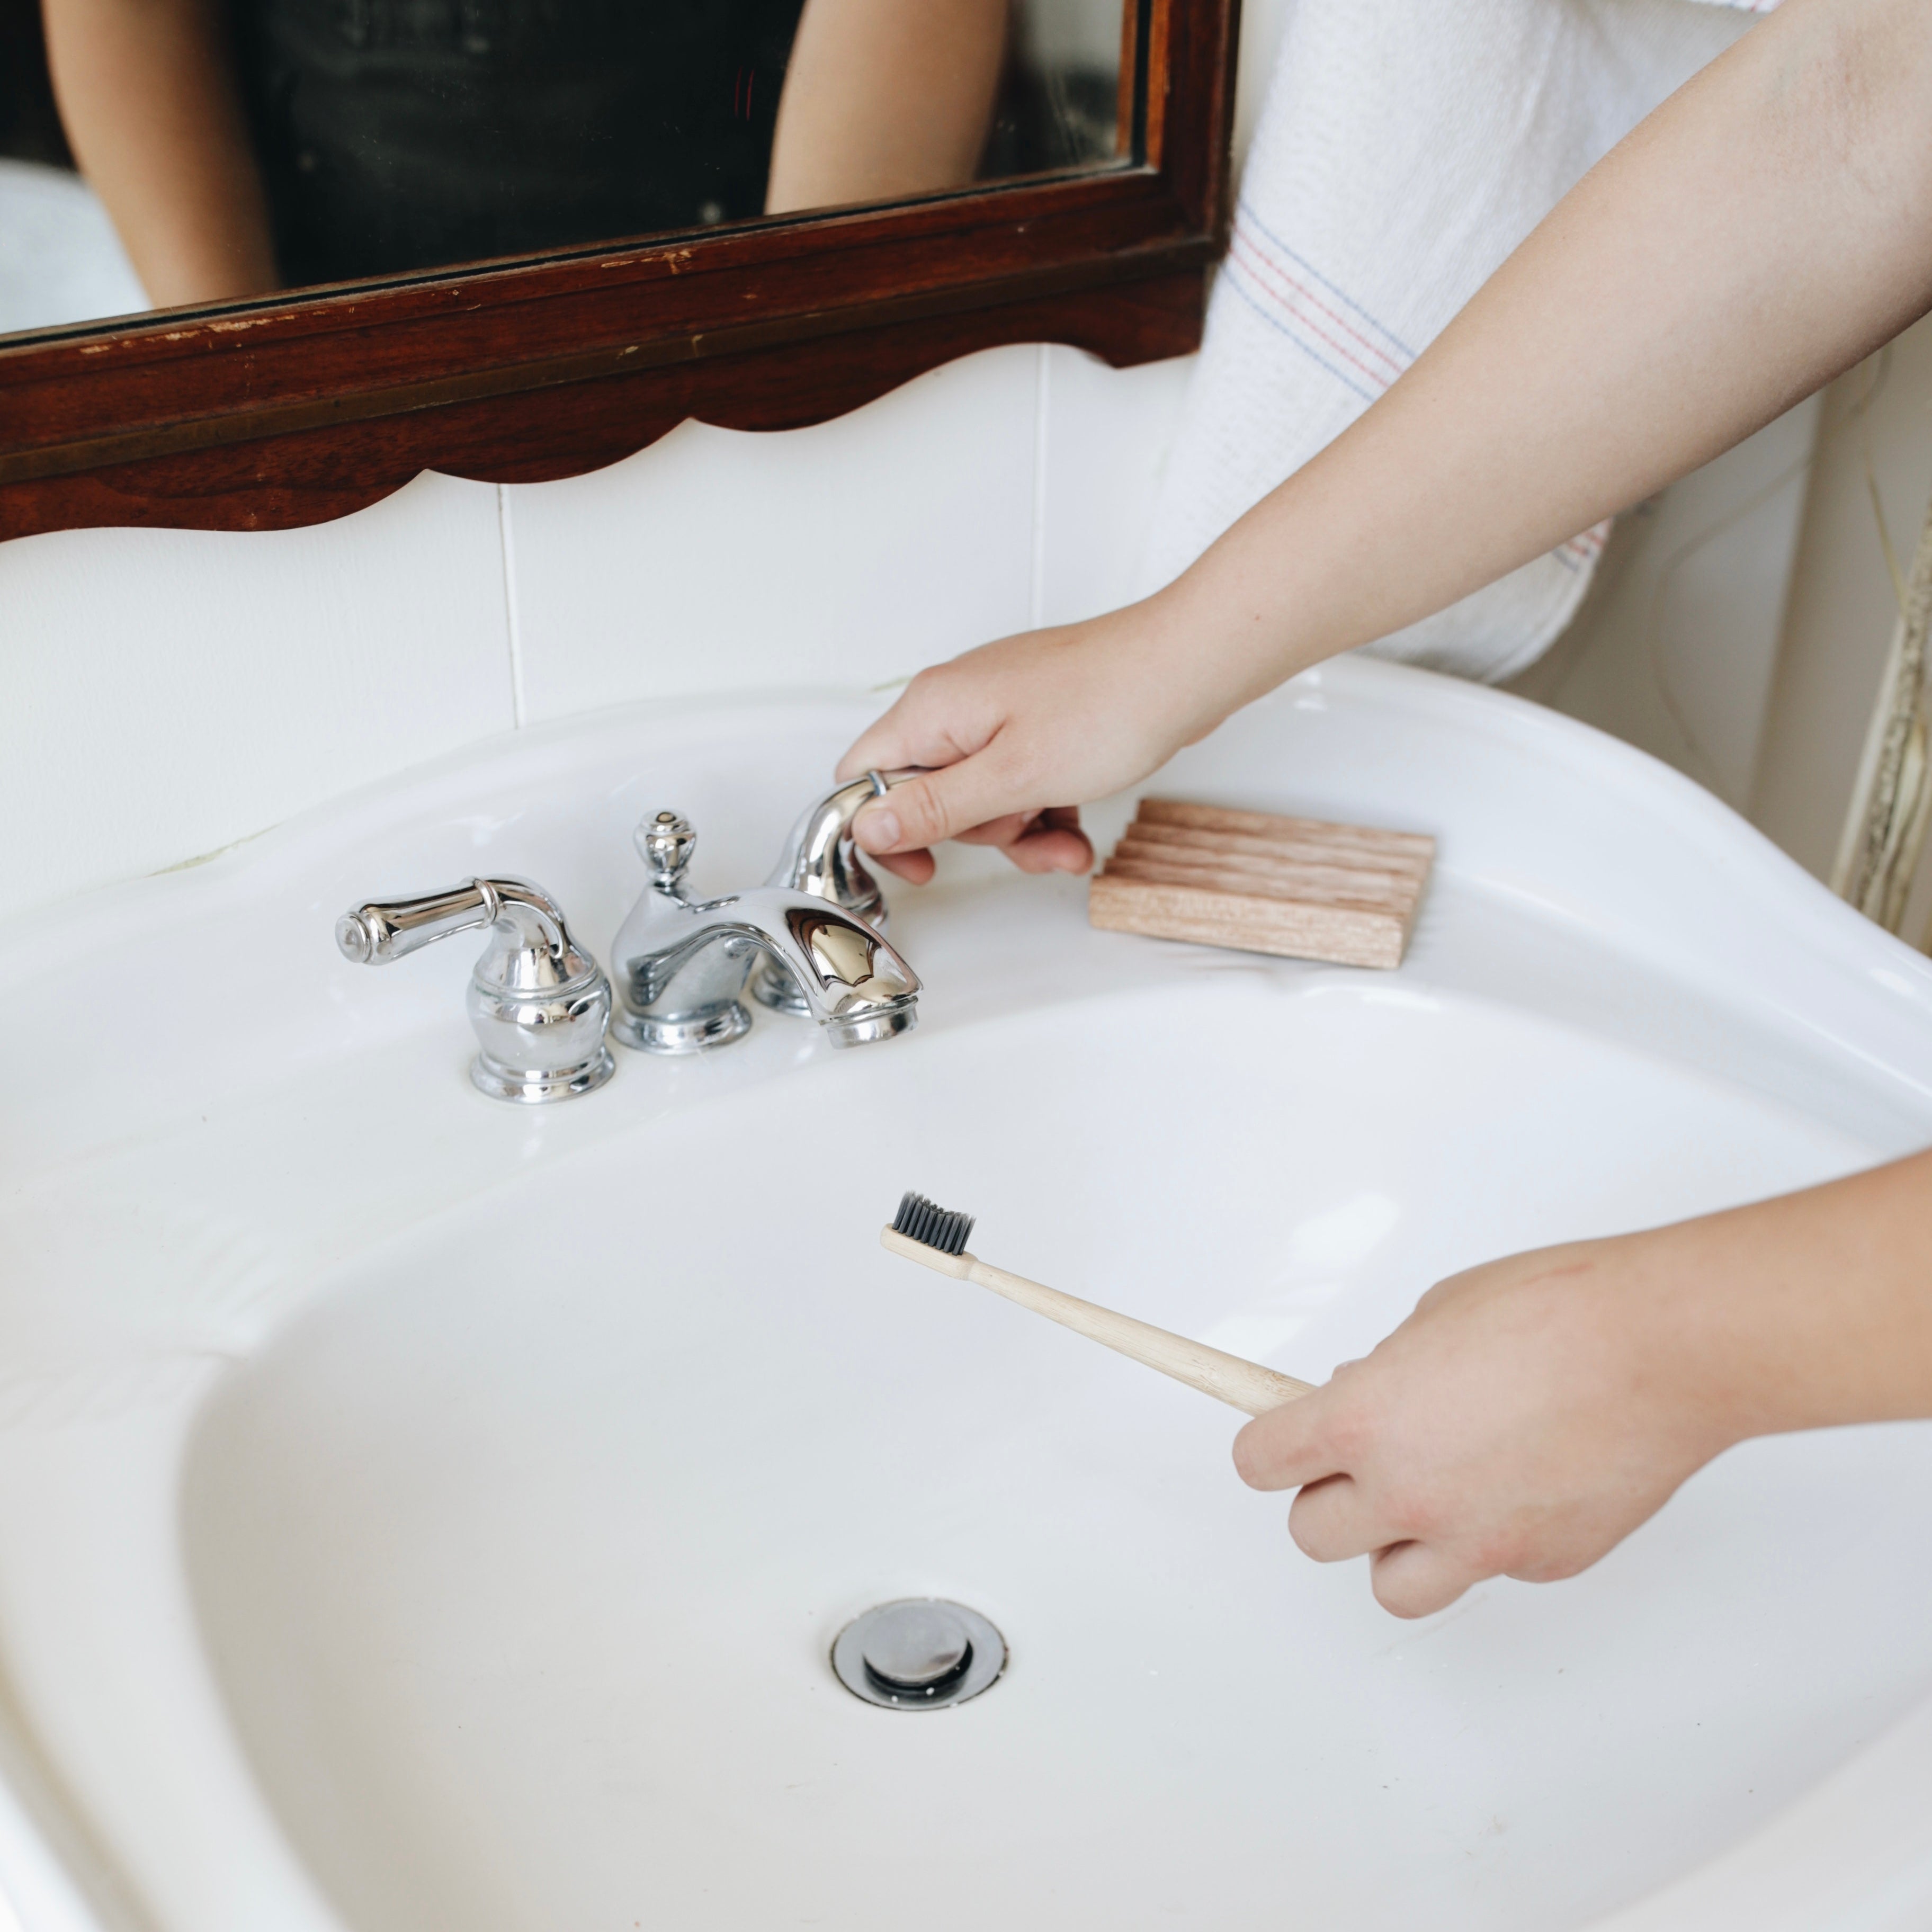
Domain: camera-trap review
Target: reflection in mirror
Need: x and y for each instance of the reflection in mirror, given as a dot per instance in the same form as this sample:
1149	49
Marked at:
163	153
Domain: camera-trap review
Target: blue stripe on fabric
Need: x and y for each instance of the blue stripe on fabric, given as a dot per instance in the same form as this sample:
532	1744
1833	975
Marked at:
1341	295
1281	328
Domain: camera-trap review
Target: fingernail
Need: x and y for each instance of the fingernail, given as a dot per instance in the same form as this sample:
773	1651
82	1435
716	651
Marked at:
877	830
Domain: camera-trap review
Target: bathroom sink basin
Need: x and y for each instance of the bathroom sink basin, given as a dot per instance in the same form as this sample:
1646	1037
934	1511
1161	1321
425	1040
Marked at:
415	1512
520	1570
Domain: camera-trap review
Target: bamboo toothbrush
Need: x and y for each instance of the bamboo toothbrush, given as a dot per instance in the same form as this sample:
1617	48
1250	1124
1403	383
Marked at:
937	1239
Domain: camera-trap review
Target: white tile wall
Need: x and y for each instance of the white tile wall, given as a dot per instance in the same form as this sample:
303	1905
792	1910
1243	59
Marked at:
849	553
165	693
1105	433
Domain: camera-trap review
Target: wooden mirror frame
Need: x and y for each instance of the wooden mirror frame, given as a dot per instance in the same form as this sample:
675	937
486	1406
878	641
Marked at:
269	414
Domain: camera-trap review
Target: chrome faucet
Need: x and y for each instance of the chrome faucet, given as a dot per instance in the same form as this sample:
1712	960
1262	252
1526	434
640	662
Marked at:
806	942
540	1005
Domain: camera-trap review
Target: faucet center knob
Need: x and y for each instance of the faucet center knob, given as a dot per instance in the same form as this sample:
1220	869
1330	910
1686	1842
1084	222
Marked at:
667	843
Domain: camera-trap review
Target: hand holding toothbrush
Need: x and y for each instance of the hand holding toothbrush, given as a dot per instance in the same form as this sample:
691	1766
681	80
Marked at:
1533	1412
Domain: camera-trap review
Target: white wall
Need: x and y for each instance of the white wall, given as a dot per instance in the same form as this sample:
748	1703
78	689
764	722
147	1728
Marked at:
1741	620
1676	647
167	693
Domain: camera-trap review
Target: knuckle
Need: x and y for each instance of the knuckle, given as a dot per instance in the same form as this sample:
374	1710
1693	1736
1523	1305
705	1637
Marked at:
921	818
1503	1552
1354	1431
1419	1519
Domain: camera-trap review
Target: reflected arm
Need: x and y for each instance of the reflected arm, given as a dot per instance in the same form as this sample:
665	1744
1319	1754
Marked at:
147	96
883	98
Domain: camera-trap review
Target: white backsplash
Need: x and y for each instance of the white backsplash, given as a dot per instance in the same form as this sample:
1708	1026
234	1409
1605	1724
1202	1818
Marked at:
169	692
849	553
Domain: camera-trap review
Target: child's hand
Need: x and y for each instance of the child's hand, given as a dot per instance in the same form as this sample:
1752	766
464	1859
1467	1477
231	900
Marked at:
1522	1422
1021	733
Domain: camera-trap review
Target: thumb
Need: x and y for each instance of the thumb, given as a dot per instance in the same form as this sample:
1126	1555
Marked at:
936	805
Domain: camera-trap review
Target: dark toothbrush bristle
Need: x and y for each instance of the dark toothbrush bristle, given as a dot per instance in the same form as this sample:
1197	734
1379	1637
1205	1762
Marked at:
919	1219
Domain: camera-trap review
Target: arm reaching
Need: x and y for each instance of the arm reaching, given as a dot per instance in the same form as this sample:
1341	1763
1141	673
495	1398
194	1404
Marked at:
883	98
1769	225
148	99
1532	1412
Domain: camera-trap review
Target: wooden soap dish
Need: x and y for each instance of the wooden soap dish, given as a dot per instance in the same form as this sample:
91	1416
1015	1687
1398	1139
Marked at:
1261	884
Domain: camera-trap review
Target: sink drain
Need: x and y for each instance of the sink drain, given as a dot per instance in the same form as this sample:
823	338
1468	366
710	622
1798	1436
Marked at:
920	1654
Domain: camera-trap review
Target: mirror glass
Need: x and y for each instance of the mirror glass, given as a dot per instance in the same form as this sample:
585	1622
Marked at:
158	153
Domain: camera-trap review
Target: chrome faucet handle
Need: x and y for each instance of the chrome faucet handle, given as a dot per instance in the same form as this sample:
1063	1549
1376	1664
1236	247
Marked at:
540	1004
666	843
820	858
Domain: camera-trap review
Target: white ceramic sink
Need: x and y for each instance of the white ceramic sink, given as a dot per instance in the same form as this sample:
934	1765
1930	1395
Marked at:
416	1512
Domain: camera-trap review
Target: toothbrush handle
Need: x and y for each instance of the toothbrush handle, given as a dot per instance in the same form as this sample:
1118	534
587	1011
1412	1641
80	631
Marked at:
1239	1383
1242	1384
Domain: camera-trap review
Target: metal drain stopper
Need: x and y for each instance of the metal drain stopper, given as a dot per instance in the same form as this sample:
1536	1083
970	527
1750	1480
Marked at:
921	1649
920	1654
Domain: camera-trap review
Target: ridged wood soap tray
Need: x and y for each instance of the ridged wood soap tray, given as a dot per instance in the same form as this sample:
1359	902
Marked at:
1260	883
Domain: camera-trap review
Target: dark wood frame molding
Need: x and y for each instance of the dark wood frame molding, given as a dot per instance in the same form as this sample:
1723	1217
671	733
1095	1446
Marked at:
267	415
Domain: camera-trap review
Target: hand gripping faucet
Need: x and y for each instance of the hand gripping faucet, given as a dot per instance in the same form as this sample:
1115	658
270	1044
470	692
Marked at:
806	942
539	1004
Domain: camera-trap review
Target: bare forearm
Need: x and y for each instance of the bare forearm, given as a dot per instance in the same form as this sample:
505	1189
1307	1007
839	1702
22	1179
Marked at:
1813	1309
1768	225
883	98
148	99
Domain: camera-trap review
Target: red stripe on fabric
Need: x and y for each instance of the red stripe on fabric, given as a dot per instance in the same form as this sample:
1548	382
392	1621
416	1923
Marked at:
1284	302
1241	239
